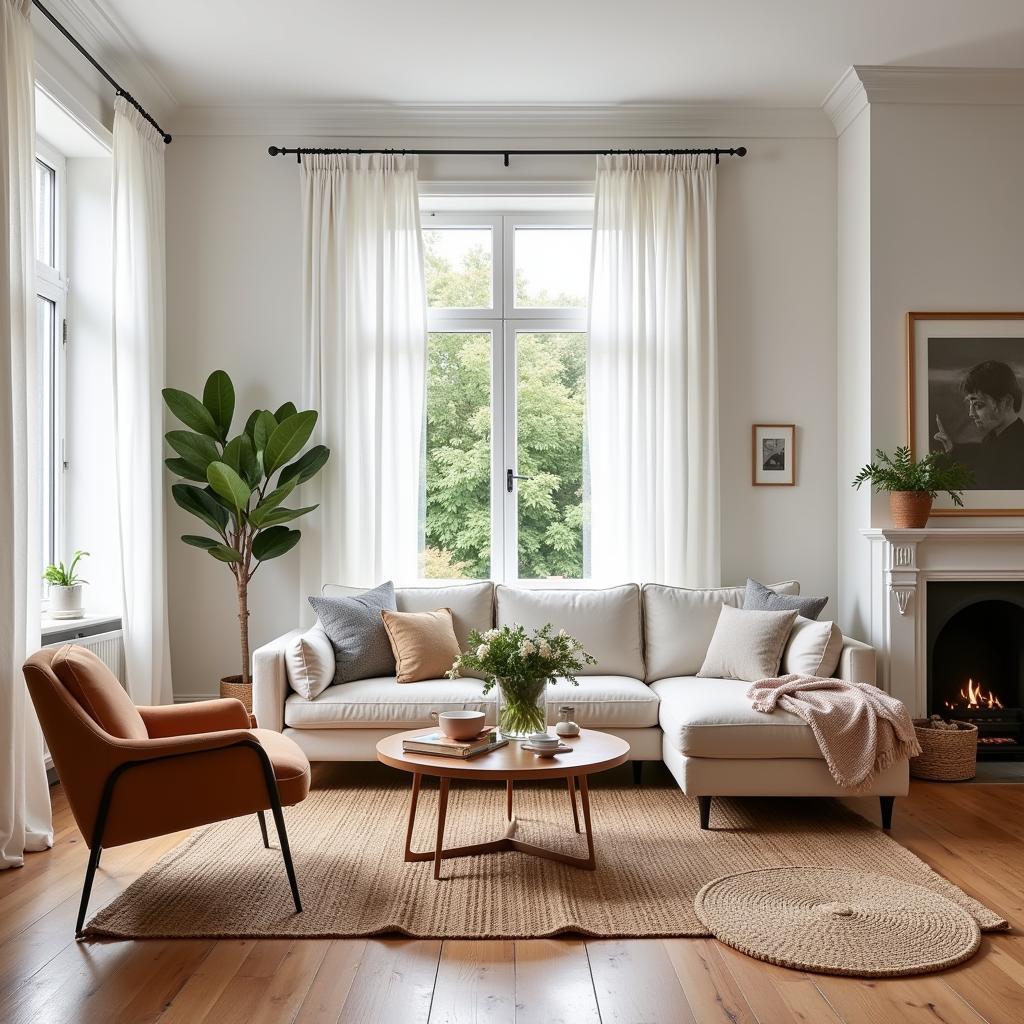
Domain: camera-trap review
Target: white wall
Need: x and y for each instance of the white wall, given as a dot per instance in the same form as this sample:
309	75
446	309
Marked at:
234	292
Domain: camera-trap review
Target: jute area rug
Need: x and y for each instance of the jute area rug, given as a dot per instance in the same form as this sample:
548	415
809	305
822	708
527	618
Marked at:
652	859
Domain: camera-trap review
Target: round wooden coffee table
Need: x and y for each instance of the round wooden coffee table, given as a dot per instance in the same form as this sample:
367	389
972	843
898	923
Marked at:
592	752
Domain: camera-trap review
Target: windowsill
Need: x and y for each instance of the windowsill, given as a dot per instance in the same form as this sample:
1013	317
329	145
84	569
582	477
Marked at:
52	630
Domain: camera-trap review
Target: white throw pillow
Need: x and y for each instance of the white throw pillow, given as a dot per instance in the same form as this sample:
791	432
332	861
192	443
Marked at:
747	645
813	648
311	662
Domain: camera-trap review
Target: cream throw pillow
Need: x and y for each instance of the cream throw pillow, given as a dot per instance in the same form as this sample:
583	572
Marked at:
747	645
311	663
423	643
813	648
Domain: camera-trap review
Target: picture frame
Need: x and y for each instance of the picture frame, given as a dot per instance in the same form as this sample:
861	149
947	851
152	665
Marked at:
965	375
773	454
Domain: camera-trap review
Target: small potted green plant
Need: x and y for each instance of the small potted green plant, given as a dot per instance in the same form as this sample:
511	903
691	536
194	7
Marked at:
521	664
65	588
913	486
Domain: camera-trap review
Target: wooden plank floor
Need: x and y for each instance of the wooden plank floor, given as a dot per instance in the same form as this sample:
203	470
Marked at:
972	834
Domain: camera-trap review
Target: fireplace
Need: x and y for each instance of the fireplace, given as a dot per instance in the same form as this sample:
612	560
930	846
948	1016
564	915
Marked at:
975	637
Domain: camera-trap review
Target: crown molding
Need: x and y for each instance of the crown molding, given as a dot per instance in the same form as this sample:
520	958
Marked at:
996	86
502	121
110	42
846	99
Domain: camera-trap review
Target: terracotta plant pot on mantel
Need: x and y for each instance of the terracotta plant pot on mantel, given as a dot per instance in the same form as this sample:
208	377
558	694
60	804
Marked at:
910	509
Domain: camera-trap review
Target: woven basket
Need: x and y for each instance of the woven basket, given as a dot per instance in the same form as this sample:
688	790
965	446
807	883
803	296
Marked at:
910	509
946	756
232	686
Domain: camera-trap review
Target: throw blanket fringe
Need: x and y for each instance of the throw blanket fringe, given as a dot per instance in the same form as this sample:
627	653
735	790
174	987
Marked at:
859	728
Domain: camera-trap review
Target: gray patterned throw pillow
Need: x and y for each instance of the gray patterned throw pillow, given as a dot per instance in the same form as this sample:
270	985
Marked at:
354	625
759	598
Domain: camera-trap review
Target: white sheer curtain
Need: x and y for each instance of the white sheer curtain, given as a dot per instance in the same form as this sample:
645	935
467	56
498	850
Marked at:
24	797
652	377
139	350
365	334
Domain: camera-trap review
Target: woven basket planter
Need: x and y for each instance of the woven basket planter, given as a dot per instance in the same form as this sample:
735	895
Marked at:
232	686
910	509
946	756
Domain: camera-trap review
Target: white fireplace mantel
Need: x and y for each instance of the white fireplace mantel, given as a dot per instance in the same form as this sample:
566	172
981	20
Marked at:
902	564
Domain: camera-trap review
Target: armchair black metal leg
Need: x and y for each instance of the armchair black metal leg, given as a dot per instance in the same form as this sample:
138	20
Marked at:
286	852
704	803
887	802
638	773
263	828
90	874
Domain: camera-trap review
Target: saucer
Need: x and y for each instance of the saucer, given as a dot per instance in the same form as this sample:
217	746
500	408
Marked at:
548	750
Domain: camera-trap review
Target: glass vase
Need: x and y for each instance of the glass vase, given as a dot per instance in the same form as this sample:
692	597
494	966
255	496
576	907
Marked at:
522	709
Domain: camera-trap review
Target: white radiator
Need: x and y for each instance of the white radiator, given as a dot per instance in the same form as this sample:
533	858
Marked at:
108	647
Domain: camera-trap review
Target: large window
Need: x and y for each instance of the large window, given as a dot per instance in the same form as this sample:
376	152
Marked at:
51	296
506	379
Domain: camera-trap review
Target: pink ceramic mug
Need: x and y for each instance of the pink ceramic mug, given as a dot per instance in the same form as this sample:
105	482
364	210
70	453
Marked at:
459	725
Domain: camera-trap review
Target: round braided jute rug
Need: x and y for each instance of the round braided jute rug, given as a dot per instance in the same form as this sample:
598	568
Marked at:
836	921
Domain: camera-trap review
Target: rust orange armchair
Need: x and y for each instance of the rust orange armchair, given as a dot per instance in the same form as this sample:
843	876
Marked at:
133	773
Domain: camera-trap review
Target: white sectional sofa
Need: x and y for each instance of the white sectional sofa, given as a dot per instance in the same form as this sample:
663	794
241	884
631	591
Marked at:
649	643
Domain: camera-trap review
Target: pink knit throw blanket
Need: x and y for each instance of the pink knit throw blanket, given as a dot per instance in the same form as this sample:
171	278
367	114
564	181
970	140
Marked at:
860	729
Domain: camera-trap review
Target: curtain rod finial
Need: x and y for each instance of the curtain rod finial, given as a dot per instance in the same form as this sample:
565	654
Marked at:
273	150
741	151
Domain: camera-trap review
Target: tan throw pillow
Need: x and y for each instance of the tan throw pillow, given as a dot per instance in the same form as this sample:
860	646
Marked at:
747	645
423	643
813	648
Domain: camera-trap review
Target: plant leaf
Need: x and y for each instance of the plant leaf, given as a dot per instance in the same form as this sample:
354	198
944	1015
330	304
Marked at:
200	504
281	515
287	440
265	425
240	455
219	399
195	449
190	411
286	410
250	423
225	554
274	542
271	501
199	542
308	466
228	484
179	467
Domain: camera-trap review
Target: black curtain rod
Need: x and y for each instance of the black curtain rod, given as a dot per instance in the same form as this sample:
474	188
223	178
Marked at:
102	70
506	153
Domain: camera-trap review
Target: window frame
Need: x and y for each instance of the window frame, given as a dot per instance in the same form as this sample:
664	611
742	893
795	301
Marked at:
52	285
503	321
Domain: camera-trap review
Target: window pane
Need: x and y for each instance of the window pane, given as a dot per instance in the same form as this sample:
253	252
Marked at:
552	267
46	328
45	219
459	268
458	519
551	383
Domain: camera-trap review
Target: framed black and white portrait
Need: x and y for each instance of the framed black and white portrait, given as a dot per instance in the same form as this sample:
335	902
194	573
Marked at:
774	454
965	376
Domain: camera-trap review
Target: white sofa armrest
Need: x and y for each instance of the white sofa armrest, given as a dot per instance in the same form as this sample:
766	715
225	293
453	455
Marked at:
270	682
857	662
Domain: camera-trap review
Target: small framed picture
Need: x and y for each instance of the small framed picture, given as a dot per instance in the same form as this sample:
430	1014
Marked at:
774	455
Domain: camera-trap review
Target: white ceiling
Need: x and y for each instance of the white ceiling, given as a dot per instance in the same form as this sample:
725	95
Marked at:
742	52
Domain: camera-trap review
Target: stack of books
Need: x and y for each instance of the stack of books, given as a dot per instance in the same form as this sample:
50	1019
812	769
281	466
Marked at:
443	746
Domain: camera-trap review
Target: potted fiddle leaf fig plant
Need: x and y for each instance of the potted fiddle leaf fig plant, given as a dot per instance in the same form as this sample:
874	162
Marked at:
228	483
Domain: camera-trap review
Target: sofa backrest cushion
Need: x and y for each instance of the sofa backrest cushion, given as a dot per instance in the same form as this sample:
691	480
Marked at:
679	625
606	622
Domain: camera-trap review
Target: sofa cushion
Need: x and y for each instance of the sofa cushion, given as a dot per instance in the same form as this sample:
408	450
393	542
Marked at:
759	598
606	622
813	648
310	661
383	702
605	702
747	644
679	624
423	643
361	645
713	718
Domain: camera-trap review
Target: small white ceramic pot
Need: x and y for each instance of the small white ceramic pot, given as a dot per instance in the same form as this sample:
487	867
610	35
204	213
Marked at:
65	602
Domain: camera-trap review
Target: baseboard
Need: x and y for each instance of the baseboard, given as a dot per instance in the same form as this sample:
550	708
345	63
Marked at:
191	698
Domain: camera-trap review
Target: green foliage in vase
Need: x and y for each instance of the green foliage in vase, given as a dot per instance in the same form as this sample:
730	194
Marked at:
934	474
231	486
58	576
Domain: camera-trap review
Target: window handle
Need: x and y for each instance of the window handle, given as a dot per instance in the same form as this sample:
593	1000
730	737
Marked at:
510	476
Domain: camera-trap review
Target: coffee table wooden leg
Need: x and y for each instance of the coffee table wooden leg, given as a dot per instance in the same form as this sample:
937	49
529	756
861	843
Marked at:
416	780
442	811
572	800
585	800
508	799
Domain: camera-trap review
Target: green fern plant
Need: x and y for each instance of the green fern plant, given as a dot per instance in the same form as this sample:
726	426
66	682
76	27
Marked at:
58	576
935	474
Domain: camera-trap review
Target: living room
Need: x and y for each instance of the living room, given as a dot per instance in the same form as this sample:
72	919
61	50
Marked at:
625	401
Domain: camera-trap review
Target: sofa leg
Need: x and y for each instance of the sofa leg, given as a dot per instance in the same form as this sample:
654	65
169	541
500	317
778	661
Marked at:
263	829
638	773
886	802
704	803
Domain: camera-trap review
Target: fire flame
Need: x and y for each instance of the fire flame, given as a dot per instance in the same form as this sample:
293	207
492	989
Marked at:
976	697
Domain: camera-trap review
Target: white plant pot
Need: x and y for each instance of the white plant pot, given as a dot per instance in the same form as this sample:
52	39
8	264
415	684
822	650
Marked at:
65	602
